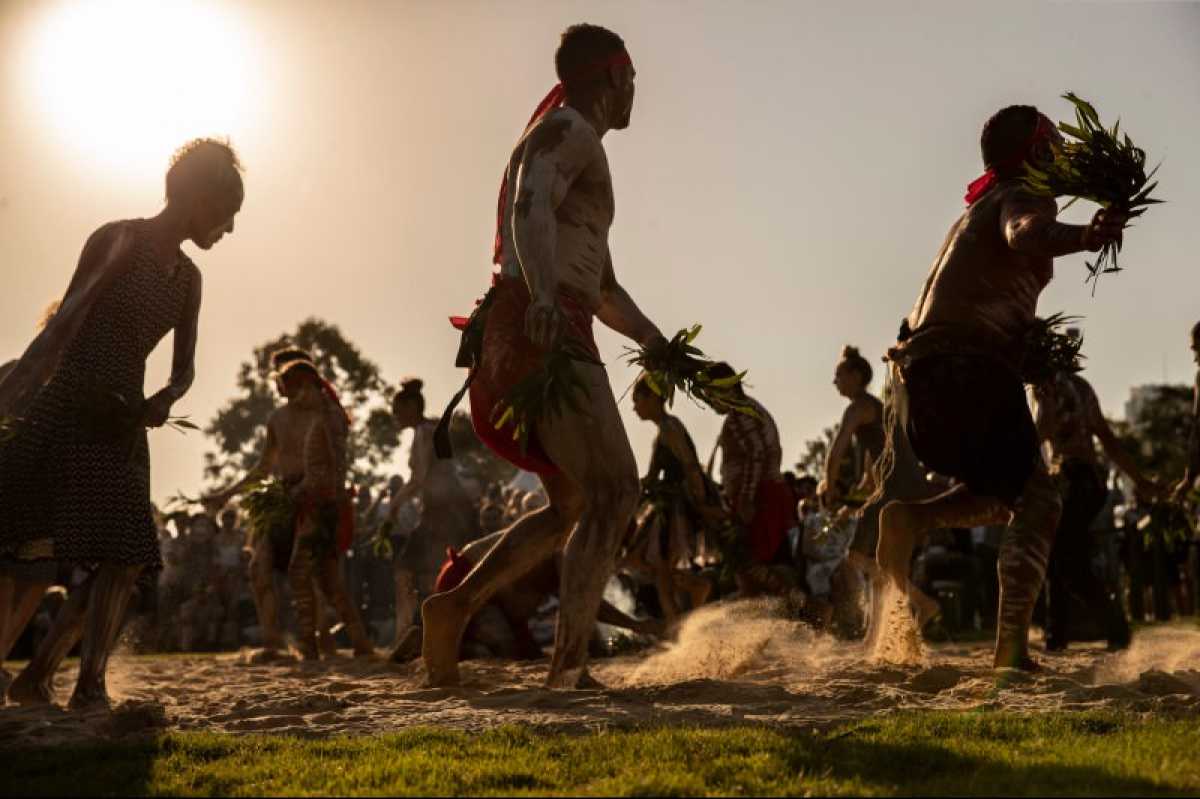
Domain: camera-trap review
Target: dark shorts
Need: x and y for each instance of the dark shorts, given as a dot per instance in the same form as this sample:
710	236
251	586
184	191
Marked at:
968	419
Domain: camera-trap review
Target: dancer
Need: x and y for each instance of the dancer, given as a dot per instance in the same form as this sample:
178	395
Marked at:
679	502
75	480
306	450
448	517
1187	483
759	499
1068	418
959	355
556	274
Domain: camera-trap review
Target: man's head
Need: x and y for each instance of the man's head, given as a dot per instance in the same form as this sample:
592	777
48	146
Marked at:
593	67
229	519
293	367
723	371
853	373
395	483
1196	343
1014	135
647	404
204	183
408	404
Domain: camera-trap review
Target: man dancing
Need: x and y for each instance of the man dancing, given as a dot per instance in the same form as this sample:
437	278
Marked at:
1068	417
556	274
306	450
959	358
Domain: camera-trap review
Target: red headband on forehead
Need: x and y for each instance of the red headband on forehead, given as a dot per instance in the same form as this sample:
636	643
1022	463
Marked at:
553	99
982	184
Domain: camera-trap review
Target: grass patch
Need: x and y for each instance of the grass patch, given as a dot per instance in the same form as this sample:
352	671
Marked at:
932	753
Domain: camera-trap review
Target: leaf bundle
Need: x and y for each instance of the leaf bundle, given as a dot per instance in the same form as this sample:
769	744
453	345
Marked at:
1048	349
1098	164
682	366
268	507
544	393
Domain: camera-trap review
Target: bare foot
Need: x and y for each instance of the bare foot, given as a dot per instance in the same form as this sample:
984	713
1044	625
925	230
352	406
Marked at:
90	697
443	623
577	679
409	647
27	691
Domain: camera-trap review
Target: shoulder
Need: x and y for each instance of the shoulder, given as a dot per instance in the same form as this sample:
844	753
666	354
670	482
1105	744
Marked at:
110	244
562	133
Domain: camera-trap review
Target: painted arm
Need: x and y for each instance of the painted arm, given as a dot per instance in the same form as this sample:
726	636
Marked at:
1031	227
620	313
556	153
105	256
1100	428
183	360
321	475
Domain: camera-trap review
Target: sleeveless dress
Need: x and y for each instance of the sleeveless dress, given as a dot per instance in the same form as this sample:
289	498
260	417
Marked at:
73	490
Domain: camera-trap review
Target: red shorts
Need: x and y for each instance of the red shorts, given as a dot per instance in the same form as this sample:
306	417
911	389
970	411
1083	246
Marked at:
508	357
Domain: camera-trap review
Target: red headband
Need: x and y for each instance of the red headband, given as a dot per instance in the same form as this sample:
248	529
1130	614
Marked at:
982	184
553	99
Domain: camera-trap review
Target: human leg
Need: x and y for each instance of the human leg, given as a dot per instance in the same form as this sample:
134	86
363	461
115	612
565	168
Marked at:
34	685
105	614
334	587
262	588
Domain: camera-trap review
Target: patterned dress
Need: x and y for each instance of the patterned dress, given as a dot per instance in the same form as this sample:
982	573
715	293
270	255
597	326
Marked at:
70	491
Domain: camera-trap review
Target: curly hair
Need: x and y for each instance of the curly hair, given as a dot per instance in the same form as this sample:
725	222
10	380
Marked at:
853	359
1005	134
204	167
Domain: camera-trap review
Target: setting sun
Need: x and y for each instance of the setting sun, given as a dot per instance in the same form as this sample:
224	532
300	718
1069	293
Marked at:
128	81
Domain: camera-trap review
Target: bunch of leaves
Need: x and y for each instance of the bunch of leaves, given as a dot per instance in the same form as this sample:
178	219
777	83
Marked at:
1049	348
1098	164
268	507
1173	522
682	366
544	393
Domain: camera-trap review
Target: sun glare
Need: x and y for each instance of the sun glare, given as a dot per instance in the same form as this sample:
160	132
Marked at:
126	82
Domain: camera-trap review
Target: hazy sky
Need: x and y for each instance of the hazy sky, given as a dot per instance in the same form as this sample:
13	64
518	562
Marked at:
789	174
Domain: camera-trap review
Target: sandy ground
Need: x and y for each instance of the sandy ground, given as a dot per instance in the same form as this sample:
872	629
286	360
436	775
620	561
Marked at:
732	664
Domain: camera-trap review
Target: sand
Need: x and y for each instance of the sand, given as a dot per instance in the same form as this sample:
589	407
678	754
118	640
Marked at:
732	664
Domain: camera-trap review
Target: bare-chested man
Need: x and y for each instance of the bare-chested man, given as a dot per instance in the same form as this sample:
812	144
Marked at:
1068	418
306	449
556	274
959	359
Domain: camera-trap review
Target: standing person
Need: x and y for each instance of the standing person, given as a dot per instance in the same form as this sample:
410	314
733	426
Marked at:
679	500
75	480
862	426
306	450
556	274
1187	483
959	354
1068	418
448	517
757	496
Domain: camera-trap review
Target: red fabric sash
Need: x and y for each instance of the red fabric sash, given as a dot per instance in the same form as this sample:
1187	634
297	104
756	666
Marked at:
773	514
984	183
553	99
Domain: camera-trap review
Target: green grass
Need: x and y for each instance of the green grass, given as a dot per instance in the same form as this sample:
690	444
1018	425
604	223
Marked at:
933	753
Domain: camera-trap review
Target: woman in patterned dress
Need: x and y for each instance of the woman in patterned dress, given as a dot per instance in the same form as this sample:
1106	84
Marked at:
75	476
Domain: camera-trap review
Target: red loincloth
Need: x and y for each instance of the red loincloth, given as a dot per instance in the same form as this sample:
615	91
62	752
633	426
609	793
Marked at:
508	357
773	512
454	571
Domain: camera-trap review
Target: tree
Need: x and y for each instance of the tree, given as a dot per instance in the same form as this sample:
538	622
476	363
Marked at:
1156	434
239	428
816	450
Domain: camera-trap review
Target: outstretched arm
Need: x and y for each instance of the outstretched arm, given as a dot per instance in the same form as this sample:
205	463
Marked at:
1031	227
555	154
266	464
1108	440
105	256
